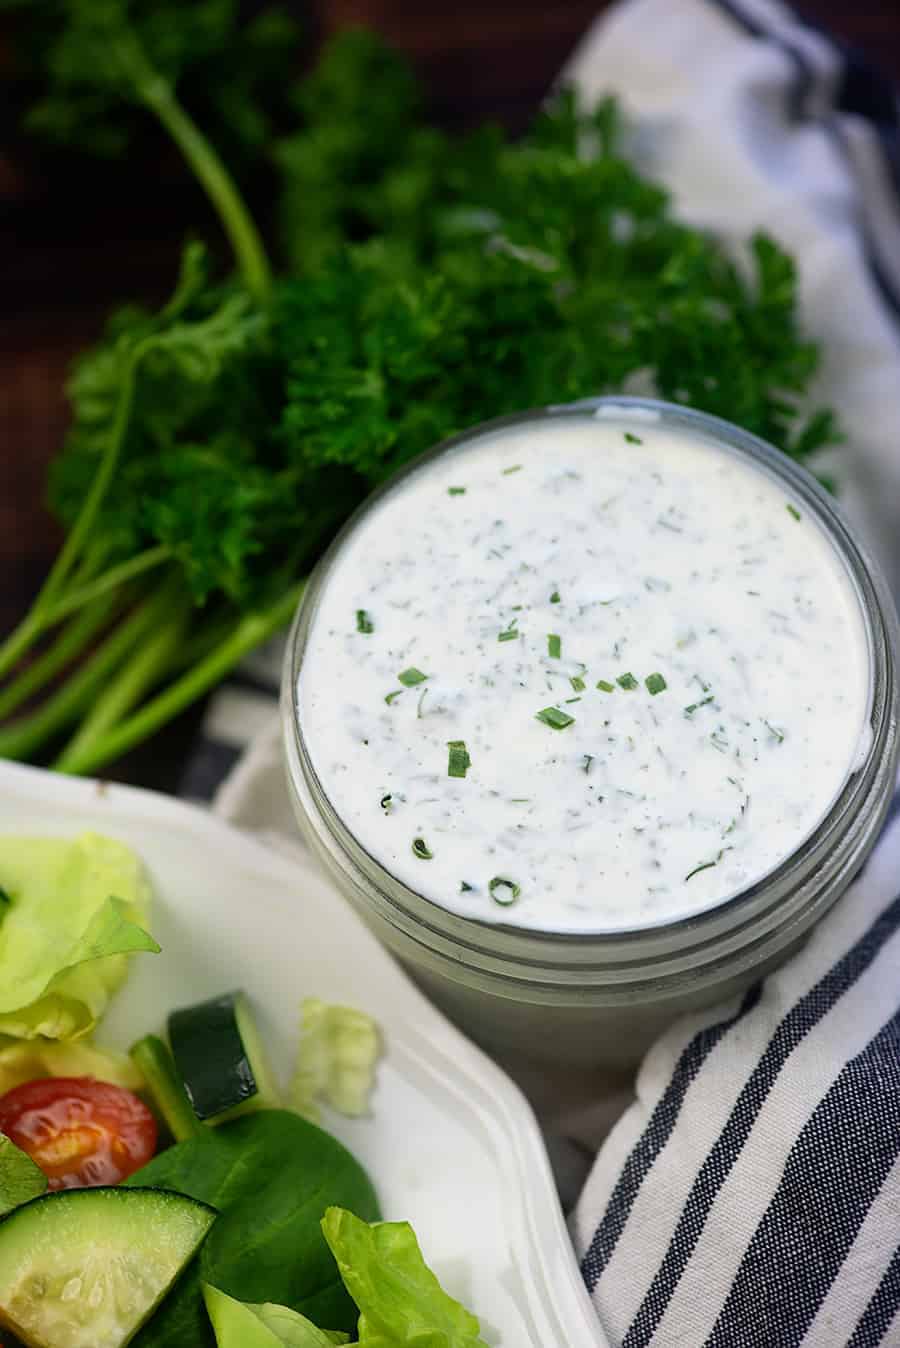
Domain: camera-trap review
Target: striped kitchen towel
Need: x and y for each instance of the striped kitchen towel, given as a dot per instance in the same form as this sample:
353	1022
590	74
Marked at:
749	1195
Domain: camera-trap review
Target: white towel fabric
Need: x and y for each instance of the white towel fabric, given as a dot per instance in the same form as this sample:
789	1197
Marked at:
749	1195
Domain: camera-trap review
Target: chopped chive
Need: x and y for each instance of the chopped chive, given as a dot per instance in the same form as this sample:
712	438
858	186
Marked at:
385	804
364	622
421	849
792	510
554	718
633	439
774	731
465	888
587	760
456	491
627	681
655	683
510	633
554	598
572	699
389	698
459	761
514	468
554	646
605	686
578	683
503	891
410	677
692	707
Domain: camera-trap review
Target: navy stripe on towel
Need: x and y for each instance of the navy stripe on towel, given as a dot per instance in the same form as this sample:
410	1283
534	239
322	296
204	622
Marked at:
881	1311
652	1141
837	1166
802	1018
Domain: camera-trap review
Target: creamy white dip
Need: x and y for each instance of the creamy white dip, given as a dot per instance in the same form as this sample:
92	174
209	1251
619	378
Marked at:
516	574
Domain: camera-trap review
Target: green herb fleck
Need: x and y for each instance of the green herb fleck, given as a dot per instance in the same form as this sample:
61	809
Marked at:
390	697
456	491
421	849
515	468
586	762
459	762
503	891
364	622
707	865
554	718
578	683
554	598
774	731
572	699
465	888
386	803
793	511
633	439
410	677
704	702
655	683
422	696
554	646
627	681
510	633
605	686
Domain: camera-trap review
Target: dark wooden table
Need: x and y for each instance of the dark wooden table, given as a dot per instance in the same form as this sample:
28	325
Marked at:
71	250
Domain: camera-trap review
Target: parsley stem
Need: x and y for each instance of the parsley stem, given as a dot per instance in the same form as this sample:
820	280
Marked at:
144	668
25	736
69	643
248	633
218	184
102	584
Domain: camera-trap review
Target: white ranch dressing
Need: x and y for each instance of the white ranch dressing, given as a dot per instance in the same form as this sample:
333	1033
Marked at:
632	549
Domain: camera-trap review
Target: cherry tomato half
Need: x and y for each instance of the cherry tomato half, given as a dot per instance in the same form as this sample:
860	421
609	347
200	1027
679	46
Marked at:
79	1131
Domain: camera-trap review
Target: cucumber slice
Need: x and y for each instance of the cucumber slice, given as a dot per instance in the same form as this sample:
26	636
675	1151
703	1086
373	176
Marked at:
219	1056
165	1087
85	1268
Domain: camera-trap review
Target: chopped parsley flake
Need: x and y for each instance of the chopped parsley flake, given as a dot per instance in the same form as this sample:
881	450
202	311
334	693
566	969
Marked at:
508	634
554	646
503	891
410	677
655	683
459	761
385	803
389	698
456	491
605	686
704	702
774	731
554	598
578	683
514	468
421	849
793	511
364	622
633	439
586	762
465	888
554	718
627	681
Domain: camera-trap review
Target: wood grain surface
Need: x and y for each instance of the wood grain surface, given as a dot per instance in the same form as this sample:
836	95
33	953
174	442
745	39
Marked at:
71	247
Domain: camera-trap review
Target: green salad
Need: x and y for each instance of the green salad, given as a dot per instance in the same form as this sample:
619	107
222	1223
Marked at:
174	1197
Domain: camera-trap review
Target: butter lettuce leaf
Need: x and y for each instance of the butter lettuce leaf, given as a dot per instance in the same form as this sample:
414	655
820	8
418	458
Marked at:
24	1060
238	1324
74	910
339	1051
20	1179
401	1302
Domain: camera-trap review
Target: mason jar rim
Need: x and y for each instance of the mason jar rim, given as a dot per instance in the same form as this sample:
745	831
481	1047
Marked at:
787	894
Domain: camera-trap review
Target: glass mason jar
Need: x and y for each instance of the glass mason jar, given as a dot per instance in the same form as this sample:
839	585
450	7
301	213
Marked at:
600	999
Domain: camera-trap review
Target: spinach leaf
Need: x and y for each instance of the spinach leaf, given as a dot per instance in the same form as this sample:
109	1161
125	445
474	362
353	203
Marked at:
271	1175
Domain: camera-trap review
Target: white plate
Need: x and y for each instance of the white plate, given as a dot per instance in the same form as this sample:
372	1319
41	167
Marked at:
453	1145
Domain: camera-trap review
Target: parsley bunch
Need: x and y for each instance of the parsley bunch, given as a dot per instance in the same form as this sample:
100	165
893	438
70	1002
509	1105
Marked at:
429	281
